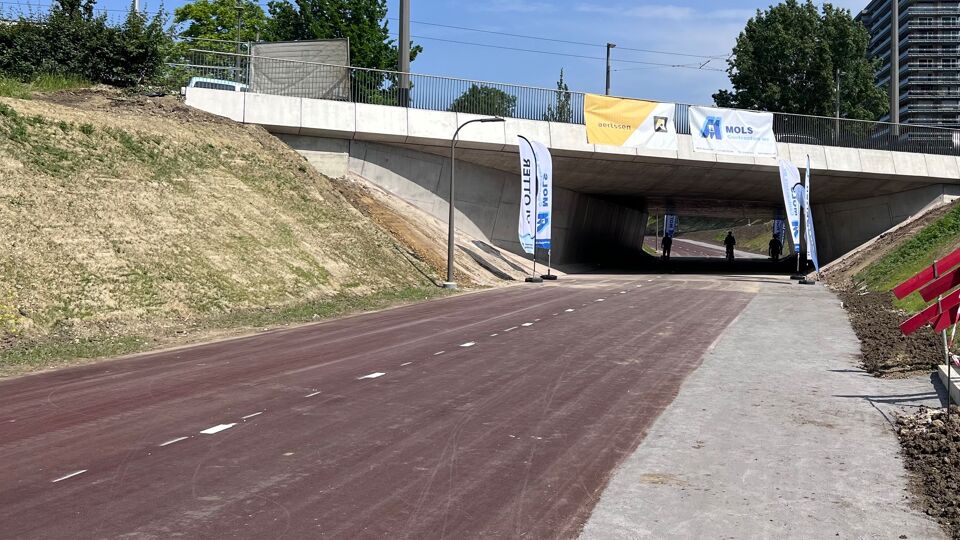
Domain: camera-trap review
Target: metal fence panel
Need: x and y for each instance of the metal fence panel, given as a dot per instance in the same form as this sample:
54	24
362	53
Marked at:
430	92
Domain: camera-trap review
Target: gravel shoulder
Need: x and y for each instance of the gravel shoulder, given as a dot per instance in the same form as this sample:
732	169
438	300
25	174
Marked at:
779	434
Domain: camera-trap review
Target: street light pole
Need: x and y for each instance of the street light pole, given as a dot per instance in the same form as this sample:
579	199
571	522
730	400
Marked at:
837	129
450	283
404	47
609	46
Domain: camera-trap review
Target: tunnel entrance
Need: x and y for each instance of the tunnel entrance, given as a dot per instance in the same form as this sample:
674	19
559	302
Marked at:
697	245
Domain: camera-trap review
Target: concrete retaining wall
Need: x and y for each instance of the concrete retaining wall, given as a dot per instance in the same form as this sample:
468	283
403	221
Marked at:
585	228
843	226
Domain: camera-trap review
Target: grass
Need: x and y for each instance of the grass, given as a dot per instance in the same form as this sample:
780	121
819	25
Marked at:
121	232
52	352
17	88
934	241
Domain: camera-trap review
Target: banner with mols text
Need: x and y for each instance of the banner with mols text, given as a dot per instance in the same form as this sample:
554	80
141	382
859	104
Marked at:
536	195
779	230
733	132
790	177
670	225
630	122
811	237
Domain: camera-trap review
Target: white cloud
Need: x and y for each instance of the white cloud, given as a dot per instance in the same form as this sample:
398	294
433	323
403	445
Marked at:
513	6
665	12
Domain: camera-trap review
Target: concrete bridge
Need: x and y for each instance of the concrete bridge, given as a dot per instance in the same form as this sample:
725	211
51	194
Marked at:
603	194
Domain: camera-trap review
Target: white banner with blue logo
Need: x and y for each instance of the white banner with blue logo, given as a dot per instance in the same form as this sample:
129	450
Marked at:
811	237
544	164
536	195
780	230
527	202
789	180
670	225
733	132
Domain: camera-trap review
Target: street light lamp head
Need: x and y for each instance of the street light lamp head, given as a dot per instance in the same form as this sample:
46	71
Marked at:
494	119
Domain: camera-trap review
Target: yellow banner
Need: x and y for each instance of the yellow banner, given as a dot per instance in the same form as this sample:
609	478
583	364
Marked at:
613	120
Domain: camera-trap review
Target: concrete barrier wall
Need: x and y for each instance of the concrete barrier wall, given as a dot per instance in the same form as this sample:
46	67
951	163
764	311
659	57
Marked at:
347	120
845	225
585	228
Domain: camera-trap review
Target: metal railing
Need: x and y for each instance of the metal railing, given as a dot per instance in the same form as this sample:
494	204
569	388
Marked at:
430	92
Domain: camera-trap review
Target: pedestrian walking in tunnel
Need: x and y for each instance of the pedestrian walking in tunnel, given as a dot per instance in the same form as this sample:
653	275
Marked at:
729	242
776	248
665	244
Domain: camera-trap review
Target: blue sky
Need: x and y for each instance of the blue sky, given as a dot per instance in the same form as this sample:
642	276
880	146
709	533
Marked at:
699	27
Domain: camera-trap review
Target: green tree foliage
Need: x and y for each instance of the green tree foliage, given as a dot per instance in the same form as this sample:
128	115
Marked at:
560	111
363	22
71	41
787	57
485	100
217	20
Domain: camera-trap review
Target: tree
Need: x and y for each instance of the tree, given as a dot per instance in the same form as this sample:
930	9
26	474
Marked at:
70	40
363	22
787	59
560	111
485	100
217	20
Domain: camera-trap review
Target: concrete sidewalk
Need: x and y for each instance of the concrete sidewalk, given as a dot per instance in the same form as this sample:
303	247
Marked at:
777	435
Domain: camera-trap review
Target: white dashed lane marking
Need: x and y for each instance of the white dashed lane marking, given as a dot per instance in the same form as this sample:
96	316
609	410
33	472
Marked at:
527	324
313	394
494	335
512	328
171	441
249	416
405	364
468	344
71	475
217	429
439	353
569	310
372	375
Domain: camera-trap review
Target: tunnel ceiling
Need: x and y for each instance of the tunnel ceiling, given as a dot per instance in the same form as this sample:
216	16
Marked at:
671	180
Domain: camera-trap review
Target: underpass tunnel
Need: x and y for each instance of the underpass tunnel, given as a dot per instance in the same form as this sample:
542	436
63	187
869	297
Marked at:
603	202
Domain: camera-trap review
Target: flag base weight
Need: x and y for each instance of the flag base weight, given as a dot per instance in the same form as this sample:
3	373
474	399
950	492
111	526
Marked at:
806	281
533	280
551	277
798	277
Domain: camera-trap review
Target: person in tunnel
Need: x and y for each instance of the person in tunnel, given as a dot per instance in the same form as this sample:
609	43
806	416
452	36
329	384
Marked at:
729	242
665	244
775	249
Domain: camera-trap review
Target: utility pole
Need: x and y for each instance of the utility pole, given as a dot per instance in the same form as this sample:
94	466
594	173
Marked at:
609	46
404	53
895	61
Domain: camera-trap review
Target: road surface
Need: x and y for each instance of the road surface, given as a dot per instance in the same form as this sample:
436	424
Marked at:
495	414
692	248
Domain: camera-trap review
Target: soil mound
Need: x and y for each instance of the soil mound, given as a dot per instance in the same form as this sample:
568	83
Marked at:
931	450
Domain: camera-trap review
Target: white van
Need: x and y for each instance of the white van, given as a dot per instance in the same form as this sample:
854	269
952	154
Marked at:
215	84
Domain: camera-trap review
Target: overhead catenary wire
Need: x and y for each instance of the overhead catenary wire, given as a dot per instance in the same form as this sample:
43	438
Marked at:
566	41
568	55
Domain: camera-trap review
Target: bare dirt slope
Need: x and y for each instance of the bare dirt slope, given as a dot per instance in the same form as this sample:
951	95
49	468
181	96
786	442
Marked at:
871	307
127	219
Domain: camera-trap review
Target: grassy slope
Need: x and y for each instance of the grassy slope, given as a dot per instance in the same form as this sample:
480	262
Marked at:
915	253
120	230
15	88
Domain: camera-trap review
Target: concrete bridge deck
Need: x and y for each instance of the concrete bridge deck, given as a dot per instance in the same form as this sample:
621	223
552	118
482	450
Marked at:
857	193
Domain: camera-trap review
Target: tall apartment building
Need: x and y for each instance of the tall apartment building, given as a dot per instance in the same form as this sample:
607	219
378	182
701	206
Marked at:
927	34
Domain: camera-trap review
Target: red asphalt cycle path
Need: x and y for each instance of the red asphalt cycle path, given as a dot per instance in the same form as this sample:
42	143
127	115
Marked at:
514	435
